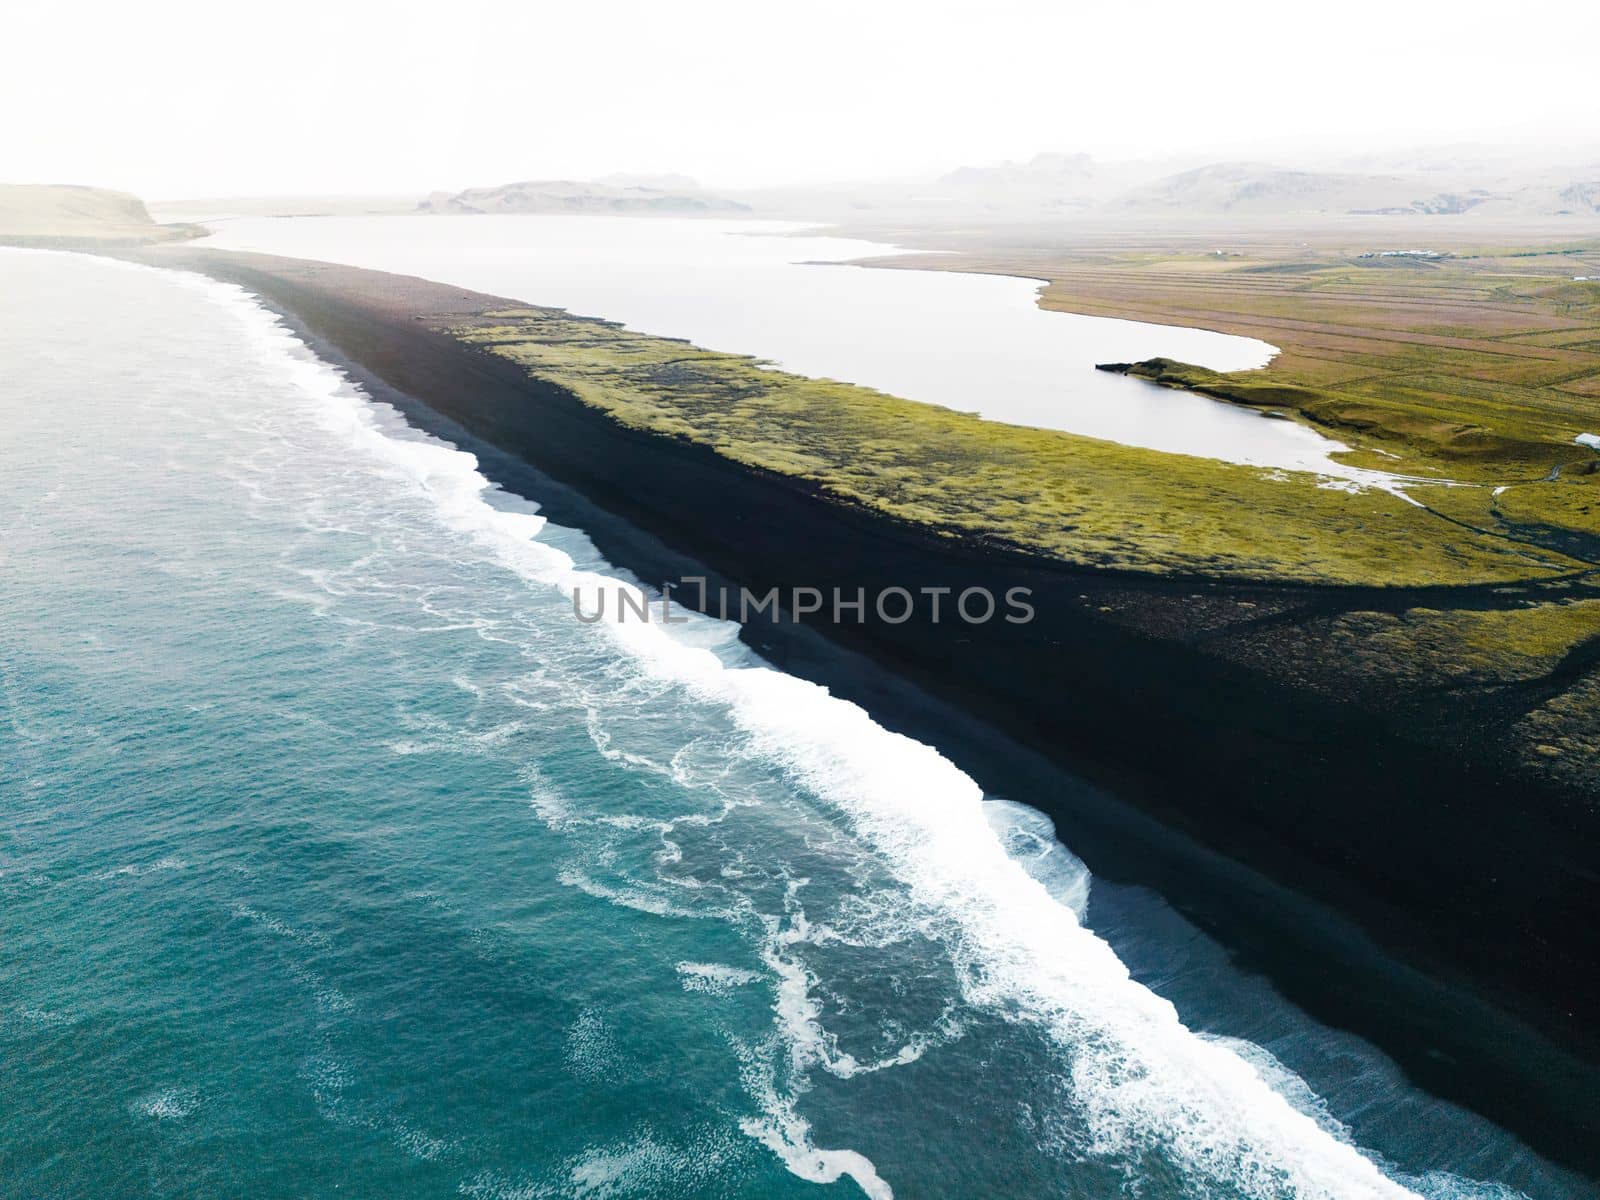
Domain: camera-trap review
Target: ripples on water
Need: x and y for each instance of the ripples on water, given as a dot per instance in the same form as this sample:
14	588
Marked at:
338	855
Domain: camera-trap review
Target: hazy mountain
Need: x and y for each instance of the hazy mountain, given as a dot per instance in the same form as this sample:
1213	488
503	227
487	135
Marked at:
1448	182
1447	188
1044	186
676	195
1261	188
1581	197
1047	180
1442	182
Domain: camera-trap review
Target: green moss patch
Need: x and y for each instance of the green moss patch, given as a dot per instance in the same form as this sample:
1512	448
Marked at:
1040	492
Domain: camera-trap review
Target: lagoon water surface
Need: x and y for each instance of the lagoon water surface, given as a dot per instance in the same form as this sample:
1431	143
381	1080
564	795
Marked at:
978	343
337	857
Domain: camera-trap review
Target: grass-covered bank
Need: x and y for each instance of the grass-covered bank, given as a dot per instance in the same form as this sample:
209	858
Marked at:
1521	471
1076	500
1056	495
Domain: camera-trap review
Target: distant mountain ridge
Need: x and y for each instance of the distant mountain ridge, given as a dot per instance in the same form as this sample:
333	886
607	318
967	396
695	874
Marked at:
674	195
1261	187
1430	184
1076	186
1265	189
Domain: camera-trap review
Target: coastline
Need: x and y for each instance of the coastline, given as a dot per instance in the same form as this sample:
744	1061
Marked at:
1093	693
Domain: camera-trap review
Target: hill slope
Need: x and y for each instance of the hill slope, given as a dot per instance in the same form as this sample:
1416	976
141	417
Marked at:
46	213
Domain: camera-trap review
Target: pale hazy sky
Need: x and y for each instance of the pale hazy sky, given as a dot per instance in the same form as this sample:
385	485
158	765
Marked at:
171	98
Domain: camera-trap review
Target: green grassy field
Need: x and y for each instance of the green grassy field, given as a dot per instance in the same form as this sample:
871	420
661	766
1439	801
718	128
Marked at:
1057	495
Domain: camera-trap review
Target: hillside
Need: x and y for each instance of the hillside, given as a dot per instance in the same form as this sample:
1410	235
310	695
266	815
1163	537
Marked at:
44	214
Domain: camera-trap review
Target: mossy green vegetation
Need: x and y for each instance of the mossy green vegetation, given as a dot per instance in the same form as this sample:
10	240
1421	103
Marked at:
1535	665
1509	438
1040	492
1443	647
1518	470
1560	737
1481	366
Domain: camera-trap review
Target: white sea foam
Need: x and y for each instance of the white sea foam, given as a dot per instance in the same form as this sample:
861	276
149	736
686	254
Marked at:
1030	837
781	1129
174	1104
640	1163
136	869
46	1016
715	978
313	938
456	741
1286	1083
646	1162
1141	1081
592	1050
638	896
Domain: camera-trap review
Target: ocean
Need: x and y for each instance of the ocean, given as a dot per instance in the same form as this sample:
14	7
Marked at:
338	857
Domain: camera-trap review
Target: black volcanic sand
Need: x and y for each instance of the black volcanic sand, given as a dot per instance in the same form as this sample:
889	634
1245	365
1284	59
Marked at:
1419	894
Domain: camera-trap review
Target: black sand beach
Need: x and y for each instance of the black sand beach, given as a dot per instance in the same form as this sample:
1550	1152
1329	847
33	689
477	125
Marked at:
1403	883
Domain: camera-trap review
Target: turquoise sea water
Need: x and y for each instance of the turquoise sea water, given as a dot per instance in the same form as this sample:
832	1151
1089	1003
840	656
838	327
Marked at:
338	858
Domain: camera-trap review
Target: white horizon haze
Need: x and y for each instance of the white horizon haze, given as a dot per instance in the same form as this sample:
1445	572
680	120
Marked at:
177	99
